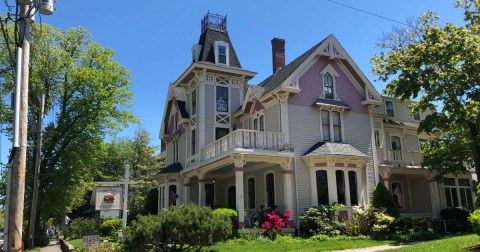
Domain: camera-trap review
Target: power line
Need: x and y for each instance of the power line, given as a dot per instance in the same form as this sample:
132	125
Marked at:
370	13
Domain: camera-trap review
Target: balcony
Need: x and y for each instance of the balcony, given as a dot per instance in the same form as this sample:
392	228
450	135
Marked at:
244	139
400	158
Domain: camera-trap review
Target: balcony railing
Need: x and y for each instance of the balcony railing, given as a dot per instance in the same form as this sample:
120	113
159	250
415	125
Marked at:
247	139
411	158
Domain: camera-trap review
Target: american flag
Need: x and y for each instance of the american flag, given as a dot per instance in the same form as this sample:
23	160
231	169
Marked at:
398	193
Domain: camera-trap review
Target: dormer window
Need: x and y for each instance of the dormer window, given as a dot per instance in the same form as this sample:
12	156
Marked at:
389	108
328	77
416	115
221	53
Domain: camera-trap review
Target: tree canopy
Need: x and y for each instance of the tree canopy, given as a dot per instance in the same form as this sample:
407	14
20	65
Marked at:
87	97
439	64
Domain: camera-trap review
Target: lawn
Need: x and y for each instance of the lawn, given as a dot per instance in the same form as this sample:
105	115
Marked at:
296	245
444	245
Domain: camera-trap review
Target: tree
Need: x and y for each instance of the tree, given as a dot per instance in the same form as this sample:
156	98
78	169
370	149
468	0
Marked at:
87	97
438	64
382	198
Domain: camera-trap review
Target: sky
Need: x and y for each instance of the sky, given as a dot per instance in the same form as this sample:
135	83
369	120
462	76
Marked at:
153	40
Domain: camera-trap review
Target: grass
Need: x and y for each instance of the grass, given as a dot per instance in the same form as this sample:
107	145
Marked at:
296	244
444	245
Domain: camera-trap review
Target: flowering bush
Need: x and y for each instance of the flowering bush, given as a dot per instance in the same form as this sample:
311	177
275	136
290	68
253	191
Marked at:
273	223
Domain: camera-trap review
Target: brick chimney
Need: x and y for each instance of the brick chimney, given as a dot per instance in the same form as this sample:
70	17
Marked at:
278	54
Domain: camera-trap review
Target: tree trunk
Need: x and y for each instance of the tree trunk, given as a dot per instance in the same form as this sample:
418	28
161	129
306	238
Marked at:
474	132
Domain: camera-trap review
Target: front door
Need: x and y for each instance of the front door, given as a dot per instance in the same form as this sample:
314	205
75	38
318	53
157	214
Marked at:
396	148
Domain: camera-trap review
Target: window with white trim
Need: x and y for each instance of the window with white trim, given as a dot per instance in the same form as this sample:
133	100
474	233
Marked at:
389	108
222	99
458	192
340	179
353	185
331	122
328	86
416	115
322	187
221	50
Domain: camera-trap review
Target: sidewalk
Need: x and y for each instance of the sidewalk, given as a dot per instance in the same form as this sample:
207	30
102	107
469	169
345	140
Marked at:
372	249
54	246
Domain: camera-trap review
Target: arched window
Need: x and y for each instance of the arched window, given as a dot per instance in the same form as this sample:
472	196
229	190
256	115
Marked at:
328	86
340	186
251	193
322	187
352	183
270	186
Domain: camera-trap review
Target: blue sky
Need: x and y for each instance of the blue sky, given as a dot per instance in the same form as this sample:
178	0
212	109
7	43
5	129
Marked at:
153	39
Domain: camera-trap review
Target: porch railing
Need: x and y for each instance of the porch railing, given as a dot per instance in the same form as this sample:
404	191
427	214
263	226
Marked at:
247	139
404	157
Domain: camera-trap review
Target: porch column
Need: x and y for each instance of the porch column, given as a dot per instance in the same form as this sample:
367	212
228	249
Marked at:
283	98
201	192
239	196
159	199
180	198
166	201
433	195
385	174
348	200
332	186
360	187
186	192
287	188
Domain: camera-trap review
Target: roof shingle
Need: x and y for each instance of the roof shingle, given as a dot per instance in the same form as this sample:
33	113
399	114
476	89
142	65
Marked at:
329	148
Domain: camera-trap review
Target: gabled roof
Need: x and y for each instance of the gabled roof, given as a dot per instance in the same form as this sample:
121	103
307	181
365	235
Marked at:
207	38
329	148
281	75
173	168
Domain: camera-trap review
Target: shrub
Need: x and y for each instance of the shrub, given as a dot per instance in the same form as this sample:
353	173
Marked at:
110	227
382	198
407	229
381	228
322	220
228	213
175	229
459	216
81	227
273	223
358	223
475	221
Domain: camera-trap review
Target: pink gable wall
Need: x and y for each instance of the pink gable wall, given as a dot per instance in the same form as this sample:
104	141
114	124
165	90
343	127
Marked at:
258	106
311	84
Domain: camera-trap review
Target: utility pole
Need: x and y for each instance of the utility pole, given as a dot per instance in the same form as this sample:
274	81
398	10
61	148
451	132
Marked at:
20	159
36	182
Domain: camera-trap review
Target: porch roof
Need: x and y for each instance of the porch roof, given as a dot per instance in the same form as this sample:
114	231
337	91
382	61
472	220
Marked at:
173	168
330	102
328	148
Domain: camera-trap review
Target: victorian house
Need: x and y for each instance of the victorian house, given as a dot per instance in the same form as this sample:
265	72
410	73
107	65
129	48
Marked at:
315	132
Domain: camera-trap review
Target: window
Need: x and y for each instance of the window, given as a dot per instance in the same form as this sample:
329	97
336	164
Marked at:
194	102
454	190
222	54
221	50
377	138
396	148
331	126
337	134
450	192
389	108
261	121
222	99
209	194
322	187
326	125
416	115
270	186
340	186
352	183
232	198
251	193
328	86
221	132
175	151
255	124
193	147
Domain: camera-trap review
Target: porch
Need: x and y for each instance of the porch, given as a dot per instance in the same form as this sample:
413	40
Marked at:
415	192
236	179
